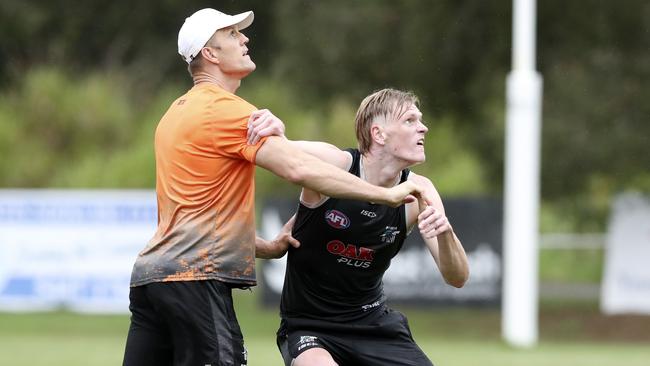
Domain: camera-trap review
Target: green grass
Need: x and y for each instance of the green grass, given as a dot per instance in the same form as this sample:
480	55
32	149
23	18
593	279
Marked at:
451	337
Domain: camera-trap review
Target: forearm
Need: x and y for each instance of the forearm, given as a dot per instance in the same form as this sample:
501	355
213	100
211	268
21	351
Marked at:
452	260
264	249
332	181
439	236
278	247
296	166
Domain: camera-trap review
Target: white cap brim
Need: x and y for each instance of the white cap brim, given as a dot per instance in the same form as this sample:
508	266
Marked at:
243	20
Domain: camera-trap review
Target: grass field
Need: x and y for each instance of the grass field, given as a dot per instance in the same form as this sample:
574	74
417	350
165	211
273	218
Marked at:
570	334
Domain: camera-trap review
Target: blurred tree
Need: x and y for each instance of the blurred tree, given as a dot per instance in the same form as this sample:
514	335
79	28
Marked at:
595	120
593	56
137	35
437	48
453	54
595	60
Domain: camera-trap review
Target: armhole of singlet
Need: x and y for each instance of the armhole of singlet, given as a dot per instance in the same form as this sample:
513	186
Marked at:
408	229
314	205
324	199
406	212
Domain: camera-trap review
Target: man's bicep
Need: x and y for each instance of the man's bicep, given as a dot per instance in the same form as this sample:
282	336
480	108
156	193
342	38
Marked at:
275	155
326	152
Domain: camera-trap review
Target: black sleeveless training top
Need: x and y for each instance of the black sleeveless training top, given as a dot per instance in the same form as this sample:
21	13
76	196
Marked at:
346	246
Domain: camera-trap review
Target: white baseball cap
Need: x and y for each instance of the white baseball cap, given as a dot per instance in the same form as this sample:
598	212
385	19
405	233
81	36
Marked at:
200	26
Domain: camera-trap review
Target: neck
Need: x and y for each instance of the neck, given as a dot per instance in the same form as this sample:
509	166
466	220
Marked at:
378	170
229	84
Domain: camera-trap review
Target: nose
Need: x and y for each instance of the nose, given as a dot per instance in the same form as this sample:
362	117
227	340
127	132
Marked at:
422	127
244	39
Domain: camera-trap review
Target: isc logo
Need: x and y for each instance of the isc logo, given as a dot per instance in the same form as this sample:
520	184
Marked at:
337	219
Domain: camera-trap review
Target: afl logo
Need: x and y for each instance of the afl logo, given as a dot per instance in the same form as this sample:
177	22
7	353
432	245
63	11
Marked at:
337	219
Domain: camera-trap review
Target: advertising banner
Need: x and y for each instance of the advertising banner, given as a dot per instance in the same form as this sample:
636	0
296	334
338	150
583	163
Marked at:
626	274
71	249
75	250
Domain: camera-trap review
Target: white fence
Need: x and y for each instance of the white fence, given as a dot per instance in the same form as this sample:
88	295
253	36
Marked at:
570	241
76	249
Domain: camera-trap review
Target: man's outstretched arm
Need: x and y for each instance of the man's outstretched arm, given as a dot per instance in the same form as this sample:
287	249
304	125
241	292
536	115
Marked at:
280	157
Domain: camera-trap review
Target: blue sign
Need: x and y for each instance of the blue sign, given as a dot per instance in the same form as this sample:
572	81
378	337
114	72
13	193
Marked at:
71	248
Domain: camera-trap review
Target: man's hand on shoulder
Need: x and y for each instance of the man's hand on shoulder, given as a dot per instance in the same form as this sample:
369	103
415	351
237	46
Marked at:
263	123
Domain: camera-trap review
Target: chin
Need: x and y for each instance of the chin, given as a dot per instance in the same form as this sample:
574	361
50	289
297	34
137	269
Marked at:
415	160
420	159
246	71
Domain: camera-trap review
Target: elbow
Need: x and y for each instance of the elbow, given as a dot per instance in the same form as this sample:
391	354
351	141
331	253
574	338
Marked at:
297	172
458	281
295	175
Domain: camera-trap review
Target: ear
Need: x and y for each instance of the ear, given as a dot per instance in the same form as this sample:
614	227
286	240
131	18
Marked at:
209	54
377	134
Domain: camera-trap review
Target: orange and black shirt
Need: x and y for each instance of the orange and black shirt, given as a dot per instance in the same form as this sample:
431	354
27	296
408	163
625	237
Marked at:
205	192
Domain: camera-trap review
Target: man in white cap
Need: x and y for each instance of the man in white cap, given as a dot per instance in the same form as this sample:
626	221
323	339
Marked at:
205	243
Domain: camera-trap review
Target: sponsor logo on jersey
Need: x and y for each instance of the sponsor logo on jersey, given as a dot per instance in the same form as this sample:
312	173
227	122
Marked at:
307	341
370	214
389	235
350	254
370	306
337	219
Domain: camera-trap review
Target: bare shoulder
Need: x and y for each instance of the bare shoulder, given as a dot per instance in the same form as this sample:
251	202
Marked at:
422	181
430	190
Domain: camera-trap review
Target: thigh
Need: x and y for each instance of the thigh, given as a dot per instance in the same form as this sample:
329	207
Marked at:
396	352
391	344
304	348
149	340
307	348
293	345
205	330
315	357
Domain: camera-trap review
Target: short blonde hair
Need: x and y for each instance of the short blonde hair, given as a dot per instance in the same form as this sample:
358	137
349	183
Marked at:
383	103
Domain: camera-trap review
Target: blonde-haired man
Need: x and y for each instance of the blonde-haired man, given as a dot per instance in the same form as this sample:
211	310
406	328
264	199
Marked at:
333	306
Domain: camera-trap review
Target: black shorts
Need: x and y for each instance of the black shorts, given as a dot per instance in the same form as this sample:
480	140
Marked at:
382	339
184	323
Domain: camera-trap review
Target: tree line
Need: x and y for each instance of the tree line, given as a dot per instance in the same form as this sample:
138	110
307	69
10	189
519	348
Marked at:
593	56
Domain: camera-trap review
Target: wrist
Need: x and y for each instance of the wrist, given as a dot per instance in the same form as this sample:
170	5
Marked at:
447	235
383	195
